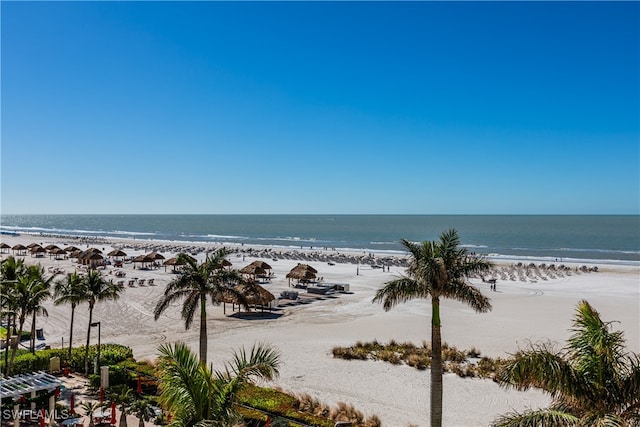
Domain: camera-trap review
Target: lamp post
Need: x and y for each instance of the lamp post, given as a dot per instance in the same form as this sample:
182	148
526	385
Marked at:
98	359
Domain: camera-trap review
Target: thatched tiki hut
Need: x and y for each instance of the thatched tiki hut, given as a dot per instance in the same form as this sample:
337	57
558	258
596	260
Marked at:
142	259
253	294
92	258
117	253
176	261
4	248
252	270
302	273
20	249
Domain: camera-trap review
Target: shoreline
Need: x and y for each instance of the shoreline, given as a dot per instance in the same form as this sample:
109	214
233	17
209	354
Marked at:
529	310
498	259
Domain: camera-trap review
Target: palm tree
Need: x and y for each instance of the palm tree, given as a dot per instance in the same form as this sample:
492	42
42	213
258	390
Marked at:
141	408
96	289
123	398
10	269
197	395
37	273
194	285
89	409
437	270
70	291
28	295
593	380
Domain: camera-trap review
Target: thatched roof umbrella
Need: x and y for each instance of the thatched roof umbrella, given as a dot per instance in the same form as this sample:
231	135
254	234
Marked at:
261	264
19	248
253	293
94	250
306	267
143	259
57	252
4	248
37	250
155	256
301	275
117	253
32	245
51	247
71	249
76	254
252	270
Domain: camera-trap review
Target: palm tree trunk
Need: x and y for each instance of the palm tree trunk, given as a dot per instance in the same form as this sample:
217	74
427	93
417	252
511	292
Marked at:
13	351
32	341
73	309
203	330
86	349
436	364
123	418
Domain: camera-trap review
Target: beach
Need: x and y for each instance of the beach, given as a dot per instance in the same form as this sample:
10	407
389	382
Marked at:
527	309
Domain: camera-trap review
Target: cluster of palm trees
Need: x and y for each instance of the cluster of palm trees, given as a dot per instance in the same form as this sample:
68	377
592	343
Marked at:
25	289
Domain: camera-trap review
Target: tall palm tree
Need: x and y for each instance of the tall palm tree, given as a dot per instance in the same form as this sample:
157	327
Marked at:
28	295
197	395
593	380
37	272
96	289
10	269
70	291
194	285
437	269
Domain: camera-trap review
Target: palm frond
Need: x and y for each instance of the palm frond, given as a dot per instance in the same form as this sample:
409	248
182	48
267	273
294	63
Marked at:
539	418
262	362
542	367
399	291
461	291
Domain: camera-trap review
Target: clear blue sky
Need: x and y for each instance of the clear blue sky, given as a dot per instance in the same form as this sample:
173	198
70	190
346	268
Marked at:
320	107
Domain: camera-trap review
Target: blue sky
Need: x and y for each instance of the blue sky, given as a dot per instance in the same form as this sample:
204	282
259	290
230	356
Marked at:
320	107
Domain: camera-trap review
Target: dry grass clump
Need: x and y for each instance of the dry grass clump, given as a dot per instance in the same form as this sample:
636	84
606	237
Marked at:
419	361
454	360
341	412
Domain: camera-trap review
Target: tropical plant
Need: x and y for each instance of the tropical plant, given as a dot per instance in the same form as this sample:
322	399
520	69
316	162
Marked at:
89	408
141	408
37	273
194	285
437	269
593	380
123	398
10	269
197	395
96	289
27	296
69	291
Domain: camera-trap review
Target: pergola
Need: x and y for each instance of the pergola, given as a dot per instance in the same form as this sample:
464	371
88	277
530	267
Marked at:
20	385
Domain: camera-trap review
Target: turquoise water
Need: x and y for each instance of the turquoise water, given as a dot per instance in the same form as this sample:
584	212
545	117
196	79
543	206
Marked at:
606	238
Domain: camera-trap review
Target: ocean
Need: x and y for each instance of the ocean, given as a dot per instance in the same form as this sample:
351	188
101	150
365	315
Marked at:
613	239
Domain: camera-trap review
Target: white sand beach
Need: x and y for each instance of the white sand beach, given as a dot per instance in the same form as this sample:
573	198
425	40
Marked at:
523	311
